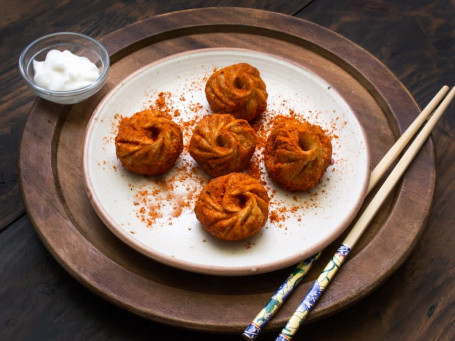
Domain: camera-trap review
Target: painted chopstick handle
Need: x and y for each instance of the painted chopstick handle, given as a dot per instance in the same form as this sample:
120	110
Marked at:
280	296
313	294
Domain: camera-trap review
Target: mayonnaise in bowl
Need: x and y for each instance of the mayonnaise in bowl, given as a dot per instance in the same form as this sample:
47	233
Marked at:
63	71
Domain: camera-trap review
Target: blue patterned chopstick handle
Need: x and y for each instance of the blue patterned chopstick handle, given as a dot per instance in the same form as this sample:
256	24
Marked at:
276	301
313	295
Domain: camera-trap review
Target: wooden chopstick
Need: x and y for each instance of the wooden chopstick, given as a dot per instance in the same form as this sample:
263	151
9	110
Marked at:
404	139
360	226
272	306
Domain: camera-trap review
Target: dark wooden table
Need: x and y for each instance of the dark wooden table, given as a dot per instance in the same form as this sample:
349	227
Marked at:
415	39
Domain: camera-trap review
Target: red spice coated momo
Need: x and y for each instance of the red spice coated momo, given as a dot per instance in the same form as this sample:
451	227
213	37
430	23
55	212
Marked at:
233	206
222	144
297	154
148	142
237	89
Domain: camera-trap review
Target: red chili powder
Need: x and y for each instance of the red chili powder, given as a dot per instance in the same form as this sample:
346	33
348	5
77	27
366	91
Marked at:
148	201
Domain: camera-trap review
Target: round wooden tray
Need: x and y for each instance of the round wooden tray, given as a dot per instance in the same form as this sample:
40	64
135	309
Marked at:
53	188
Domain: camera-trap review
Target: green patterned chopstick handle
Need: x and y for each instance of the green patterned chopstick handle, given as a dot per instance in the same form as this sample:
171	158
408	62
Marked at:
280	296
313	295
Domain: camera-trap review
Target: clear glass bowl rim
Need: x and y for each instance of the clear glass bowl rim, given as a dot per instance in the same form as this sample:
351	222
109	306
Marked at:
69	93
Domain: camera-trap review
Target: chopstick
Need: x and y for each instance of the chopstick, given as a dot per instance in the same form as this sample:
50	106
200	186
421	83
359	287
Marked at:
280	296
404	139
360	226
272	306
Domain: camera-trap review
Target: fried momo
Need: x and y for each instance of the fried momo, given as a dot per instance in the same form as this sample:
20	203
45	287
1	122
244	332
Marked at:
233	206
148	142
237	89
222	144
297	154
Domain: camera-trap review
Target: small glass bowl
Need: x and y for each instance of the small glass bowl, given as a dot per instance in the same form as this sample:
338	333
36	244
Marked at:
76	43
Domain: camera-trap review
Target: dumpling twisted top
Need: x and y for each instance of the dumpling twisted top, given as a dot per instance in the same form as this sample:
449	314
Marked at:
222	144
237	89
297	154
233	206
148	142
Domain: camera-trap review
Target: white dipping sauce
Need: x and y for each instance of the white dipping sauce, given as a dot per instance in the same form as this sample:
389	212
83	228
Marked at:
62	71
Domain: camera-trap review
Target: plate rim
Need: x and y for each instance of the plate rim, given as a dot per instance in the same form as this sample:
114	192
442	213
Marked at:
218	270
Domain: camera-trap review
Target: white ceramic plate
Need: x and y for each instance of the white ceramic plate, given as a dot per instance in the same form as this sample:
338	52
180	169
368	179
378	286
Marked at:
155	215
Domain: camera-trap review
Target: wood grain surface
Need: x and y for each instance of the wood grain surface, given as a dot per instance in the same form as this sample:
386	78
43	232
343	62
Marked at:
52	174
414	39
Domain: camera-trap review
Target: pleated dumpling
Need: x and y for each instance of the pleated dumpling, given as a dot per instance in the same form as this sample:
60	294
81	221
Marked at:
148	142
297	154
237	89
222	144
233	206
